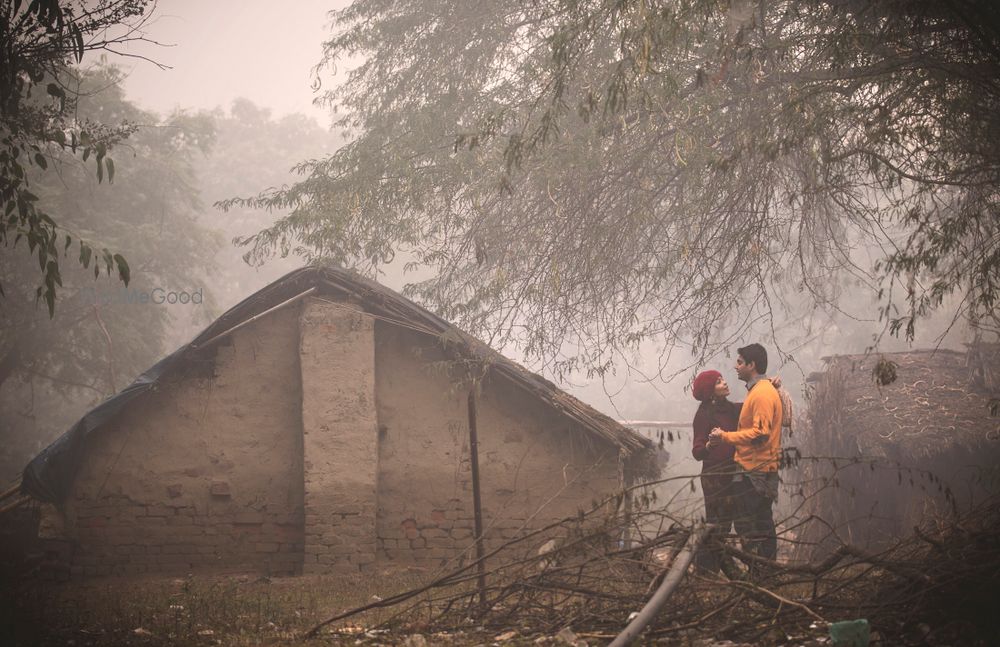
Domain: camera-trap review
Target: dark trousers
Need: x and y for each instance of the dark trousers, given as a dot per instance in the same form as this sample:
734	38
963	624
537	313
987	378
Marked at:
720	511
754	520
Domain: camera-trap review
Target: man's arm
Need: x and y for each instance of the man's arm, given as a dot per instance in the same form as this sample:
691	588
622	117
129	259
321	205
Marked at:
761	428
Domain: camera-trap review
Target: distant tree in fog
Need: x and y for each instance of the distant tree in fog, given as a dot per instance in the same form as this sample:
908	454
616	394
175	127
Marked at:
103	334
254	149
590	175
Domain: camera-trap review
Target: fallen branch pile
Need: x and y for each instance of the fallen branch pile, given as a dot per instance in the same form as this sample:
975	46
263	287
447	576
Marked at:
939	584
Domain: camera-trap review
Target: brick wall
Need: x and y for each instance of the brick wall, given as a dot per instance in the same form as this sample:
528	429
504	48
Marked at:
533	468
205	472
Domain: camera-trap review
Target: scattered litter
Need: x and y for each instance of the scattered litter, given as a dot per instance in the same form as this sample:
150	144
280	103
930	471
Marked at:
415	640
545	549
850	633
567	637
661	556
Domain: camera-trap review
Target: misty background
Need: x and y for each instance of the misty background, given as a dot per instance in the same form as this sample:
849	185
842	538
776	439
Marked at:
222	95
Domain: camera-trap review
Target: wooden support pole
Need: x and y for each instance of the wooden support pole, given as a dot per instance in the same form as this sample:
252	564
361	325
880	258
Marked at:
625	479
477	503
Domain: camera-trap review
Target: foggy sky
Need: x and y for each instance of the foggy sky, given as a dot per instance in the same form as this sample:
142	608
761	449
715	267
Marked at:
224	49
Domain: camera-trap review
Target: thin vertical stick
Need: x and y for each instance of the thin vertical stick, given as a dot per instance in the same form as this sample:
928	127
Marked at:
625	480
477	504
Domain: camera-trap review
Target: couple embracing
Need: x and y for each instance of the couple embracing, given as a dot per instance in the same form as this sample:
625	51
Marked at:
740	448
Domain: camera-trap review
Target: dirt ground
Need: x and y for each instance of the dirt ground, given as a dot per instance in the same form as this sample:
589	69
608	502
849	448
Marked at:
192	610
239	610
221	610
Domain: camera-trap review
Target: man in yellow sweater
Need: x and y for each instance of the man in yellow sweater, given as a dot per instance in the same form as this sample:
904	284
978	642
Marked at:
758	453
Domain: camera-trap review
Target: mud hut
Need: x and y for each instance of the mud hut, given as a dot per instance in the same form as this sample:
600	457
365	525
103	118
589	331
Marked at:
323	425
898	440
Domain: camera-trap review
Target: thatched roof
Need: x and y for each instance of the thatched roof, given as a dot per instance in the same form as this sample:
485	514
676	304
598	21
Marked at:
940	400
49	474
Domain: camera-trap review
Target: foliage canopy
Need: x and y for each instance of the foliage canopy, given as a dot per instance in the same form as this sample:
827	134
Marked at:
39	41
589	174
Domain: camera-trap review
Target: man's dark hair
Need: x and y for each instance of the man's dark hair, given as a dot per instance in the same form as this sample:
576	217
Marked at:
754	353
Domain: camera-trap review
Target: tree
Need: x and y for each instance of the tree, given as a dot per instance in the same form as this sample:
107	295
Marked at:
586	175
253	149
39	41
54	367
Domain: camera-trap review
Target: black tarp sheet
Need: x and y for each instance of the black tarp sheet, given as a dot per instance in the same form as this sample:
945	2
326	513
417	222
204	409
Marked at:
49	475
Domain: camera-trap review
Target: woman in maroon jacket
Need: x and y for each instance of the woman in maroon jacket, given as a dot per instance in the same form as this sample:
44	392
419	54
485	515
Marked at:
717	467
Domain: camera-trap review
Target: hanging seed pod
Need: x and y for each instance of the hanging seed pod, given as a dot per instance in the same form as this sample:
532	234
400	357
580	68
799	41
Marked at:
884	372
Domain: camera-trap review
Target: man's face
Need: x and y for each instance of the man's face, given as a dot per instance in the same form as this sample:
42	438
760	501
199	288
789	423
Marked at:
743	370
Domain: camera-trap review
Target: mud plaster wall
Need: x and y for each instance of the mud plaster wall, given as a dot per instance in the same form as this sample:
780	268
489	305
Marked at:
205	473
533	470
337	356
313	448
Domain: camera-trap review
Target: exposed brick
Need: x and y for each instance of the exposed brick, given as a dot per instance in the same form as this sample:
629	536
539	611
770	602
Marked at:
439	553
440	542
180	520
331	539
248	518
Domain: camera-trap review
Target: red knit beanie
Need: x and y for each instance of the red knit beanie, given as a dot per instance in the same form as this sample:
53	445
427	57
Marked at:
704	385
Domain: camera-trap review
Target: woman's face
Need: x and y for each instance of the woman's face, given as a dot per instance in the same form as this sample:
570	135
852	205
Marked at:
721	388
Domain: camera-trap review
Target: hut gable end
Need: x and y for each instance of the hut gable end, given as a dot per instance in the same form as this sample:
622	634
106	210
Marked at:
321	425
